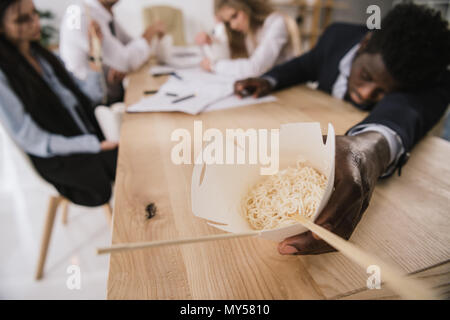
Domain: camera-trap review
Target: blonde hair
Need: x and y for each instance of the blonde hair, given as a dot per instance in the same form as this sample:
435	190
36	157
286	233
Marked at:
257	11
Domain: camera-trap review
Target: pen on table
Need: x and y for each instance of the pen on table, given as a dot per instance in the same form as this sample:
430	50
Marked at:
162	74
176	76
168	74
184	98
170	94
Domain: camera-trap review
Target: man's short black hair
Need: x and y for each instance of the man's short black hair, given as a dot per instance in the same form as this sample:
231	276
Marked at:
414	42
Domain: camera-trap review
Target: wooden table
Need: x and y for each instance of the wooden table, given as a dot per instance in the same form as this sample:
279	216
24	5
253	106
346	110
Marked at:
407	223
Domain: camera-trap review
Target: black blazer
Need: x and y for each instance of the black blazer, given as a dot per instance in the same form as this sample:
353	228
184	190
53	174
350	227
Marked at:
410	114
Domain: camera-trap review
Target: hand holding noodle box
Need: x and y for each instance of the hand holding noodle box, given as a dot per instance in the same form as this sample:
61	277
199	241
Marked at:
238	199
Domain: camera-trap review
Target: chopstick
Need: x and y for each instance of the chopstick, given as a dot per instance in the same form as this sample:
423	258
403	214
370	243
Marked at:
406	288
152	244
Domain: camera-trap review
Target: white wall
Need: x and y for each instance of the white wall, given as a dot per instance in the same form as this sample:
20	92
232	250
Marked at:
58	8
198	14
356	10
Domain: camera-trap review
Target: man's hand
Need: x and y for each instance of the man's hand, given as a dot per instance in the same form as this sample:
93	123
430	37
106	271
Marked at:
206	65
108	145
115	76
257	87
156	29
202	38
360	161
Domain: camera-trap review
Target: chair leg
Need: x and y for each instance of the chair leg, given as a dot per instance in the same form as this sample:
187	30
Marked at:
51	213
108	213
65	211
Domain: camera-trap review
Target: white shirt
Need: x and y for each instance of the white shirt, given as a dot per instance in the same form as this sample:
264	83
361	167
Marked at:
219	48
345	66
269	46
120	52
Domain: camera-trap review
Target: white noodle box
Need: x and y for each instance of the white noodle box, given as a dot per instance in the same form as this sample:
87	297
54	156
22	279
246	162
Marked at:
218	197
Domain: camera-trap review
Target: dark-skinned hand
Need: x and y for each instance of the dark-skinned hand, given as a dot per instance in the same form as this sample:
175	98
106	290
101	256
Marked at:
256	87
360	161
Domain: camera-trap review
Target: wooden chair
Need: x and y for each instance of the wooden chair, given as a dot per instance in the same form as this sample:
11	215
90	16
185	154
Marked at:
294	34
10	153
54	202
172	18
313	16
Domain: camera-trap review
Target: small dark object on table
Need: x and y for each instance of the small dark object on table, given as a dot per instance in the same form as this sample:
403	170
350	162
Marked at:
150	210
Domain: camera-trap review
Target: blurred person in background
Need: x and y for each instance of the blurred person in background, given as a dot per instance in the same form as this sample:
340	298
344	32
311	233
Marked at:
49	113
121	54
256	38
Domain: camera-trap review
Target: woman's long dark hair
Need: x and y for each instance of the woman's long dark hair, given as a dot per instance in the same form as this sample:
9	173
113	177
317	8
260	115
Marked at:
38	99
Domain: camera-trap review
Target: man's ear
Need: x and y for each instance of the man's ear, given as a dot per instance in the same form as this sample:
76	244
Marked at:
365	41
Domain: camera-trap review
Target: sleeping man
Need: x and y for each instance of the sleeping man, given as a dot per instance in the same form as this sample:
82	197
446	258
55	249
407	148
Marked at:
400	74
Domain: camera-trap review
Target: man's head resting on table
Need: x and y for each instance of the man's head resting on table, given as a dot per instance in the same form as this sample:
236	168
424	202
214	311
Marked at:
410	51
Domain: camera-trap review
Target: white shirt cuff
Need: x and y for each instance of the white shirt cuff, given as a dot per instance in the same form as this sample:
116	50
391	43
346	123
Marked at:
394	141
273	81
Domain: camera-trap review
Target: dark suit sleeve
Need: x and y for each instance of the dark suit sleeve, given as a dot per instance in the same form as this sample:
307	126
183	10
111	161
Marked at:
296	71
304	68
320	63
412	115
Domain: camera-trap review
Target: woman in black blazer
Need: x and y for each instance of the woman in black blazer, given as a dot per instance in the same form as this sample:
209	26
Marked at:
47	112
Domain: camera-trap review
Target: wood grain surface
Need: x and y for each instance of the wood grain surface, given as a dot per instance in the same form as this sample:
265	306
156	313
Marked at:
406	224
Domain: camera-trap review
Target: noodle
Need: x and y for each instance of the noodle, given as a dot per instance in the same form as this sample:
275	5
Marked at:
274	202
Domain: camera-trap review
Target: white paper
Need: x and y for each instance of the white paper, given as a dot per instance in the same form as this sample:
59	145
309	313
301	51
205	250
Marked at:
184	57
206	93
201	76
235	102
158	69
212	92
109	120
219	196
